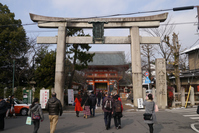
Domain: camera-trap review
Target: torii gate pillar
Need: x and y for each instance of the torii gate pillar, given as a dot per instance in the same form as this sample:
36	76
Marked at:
136	64
60	60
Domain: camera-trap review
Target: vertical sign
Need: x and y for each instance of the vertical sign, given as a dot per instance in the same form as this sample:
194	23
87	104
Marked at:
44	96
70	96
140	103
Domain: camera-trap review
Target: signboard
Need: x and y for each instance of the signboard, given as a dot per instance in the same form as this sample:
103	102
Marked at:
147	80
70	96
140	103
44	96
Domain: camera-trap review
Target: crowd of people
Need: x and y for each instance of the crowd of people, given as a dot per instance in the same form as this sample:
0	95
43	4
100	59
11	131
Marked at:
111	105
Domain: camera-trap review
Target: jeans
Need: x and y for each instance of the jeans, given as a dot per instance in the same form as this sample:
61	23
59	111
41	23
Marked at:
36	125
92	108
107	119
53	122
117	121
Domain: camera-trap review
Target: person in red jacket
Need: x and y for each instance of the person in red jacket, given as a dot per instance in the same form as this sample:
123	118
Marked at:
78	107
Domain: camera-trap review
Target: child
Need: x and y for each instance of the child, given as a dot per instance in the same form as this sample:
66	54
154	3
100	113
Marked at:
117	112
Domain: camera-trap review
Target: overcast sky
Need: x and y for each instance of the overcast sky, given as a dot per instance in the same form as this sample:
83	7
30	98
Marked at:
188	34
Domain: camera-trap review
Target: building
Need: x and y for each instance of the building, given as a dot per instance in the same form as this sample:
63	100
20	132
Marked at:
106	70
191	76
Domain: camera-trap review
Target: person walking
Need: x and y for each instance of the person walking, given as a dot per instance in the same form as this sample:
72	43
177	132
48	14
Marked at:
54	108
150	108
12	105
78	107
86	105
93	101
3	110
99	97
117	112
107	108
36	114
8	108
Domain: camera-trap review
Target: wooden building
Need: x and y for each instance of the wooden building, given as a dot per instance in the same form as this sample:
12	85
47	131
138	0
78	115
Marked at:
106	70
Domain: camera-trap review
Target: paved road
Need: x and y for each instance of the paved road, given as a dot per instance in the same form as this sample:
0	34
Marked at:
189	113
168	122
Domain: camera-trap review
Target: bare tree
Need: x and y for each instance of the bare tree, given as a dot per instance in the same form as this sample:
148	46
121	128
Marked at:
164	30
148	56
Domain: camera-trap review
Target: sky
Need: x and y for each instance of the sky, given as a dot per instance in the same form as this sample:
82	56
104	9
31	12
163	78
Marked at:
187	33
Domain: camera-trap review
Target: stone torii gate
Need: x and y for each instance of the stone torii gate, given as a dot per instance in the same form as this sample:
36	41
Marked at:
133	23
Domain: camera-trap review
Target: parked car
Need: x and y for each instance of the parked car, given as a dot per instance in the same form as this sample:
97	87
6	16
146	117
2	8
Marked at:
20	107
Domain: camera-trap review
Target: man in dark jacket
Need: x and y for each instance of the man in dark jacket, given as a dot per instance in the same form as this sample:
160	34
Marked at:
107	108
99	97
54	108
93	101
3	110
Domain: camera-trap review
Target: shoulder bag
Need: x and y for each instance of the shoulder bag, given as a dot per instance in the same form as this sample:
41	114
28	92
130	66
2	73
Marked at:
84	104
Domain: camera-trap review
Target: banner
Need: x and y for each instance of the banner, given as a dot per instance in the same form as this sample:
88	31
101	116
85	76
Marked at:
44	96
70	96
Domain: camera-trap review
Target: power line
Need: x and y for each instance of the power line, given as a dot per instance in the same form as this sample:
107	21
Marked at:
113	15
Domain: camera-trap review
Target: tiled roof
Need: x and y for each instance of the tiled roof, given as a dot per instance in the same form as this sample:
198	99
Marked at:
108	58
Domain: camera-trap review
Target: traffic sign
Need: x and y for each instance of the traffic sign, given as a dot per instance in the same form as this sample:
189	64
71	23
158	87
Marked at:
147	80
147	74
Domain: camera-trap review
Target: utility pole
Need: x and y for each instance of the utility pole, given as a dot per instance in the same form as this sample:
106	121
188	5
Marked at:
13	79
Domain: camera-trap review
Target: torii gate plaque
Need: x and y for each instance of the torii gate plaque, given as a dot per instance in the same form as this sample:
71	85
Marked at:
133	23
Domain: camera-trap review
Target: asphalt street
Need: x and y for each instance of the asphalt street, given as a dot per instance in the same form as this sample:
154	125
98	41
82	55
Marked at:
132	122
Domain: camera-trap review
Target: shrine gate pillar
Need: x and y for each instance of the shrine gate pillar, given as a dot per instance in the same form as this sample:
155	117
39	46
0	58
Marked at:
60	63
136	64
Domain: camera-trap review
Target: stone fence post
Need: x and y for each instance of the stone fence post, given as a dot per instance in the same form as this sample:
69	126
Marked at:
192	100
183	96
144	93
174	97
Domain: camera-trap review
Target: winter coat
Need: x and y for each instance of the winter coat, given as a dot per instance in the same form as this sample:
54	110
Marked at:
86	101
78	104
36	110
93	100
8	105
99	95
12	102
103	104
150	108
3	107
54	106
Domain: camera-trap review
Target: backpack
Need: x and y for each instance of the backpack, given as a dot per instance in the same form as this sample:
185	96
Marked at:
118	106
108	104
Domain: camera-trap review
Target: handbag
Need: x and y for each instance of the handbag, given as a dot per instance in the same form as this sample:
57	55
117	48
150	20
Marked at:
36	117
28	120
147	116
73	103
